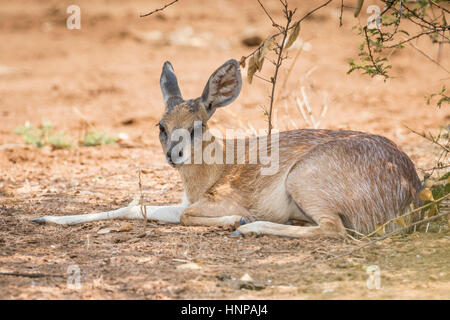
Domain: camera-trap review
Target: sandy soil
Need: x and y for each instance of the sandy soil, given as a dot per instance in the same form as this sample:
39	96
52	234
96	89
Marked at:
109	71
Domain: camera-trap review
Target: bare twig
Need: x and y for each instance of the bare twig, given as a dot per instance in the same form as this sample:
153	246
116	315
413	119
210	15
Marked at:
441	43
430	58
314	10
262	78
442	155
274	24
435	168
159	9
440	7
30	275
308	107
409	39
141	200
83	117
430	139
280	33
288	14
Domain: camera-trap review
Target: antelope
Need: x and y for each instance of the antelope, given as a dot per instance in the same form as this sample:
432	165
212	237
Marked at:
329	180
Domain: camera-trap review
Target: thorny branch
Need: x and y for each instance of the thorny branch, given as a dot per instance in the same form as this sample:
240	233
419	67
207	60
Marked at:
434	3
395	10
375	65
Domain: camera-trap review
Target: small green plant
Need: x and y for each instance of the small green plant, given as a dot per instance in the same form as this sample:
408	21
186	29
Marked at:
442	97
96	138
369	63
41	136
59	141
30	134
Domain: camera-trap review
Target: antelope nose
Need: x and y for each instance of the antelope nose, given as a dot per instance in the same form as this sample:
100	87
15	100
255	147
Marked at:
178	157
168	157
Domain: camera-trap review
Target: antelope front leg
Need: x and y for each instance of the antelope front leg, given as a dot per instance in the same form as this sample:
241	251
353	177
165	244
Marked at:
206	213
170	214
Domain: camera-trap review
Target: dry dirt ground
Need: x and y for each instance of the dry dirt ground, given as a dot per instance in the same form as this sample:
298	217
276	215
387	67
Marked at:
109	71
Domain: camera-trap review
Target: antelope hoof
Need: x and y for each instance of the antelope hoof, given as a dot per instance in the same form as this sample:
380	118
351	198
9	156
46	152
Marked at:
39	221
242	221
236	233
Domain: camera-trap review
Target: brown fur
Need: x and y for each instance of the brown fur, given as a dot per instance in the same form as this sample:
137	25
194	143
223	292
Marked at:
342	178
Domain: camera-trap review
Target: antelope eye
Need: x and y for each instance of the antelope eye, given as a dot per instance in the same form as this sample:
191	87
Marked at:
162	130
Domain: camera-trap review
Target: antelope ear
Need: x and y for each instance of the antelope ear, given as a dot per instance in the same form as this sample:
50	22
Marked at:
223	87
169	86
